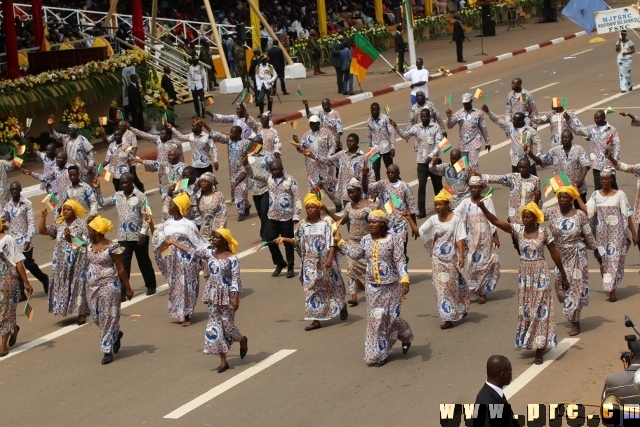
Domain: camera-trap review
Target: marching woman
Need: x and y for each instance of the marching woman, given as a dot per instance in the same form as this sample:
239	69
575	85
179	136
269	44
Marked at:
221	294
572	237
536	323
481	270
212	211
68	279
179	268
320	272
356	215
11	266
387	282
610	210
105	278
443	235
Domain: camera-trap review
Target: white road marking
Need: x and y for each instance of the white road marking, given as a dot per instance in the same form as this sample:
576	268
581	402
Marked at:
229	384
544	87
534	370
484	84
584	51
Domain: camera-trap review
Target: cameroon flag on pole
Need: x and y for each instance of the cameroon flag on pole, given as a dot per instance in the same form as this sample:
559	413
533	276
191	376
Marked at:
363	56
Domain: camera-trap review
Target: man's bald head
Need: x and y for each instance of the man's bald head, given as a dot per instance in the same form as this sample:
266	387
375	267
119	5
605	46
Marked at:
499	371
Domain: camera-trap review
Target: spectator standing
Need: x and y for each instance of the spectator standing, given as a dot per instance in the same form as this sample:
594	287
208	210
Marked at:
347	77
458	37
336	61
205	58
167	86
419	77
401	48
197	81
136	107
316	52
276	59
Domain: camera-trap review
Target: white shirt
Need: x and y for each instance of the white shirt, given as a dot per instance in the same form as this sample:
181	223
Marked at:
416	76
265	74
497	389
625	47
197	78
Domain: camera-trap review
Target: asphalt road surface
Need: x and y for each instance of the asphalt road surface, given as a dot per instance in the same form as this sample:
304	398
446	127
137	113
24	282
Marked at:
53	375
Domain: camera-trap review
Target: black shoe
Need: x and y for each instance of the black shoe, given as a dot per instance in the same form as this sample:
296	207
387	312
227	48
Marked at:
344	313
247	210
116	345
285	93
242	217
108	358
243	351
45	285
278	270
151	291
405	347
221	368
380	363
421	215
291	274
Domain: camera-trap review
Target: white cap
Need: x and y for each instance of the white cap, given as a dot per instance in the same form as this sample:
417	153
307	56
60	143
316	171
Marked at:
314	119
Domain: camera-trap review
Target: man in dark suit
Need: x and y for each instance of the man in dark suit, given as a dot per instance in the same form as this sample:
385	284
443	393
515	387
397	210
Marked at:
336	61
498	376
136	106
458	37
167	85
401	48
276	59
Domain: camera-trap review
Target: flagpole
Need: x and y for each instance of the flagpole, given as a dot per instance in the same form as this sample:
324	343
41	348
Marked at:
394	67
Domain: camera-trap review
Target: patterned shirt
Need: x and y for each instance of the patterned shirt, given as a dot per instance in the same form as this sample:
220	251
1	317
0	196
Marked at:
600	139
247	125
118	157
49	166
516	135
381	134
284	198
200	147
19	218
516	105
131	211
472	128
270	140
57	180
322	144
383	189
79	151
570	163
634	169
234	152
427	139
261	162
84	194
386	262
163	146
331	121
521	191
458	181
170	173
414	114
557	124
349	166
5	195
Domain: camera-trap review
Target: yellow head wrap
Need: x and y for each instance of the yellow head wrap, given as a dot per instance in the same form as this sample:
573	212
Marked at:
570	190
233	243
534	209
311	199
1	226
183	202
443	196
101	225
378	215
77	208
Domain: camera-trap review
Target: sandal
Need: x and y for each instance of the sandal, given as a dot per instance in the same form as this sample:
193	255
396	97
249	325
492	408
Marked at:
538	361
446	325
312	327
353	302
405	347
14	337
482	300
82	319
187	321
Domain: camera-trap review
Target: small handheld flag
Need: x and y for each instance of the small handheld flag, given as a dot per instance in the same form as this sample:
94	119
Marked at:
28	310
76	242
28	123
461	164
523	97
489	194
165	120
104	173
51	201
372	155
559	102
448	99
17	162
207	101
146	208
480	95
253	147
250	98
165	249
554	183
184	184
387	110
393	204
609	110
317	192
293	125
299	92
103	121
445	145
244	95
119	115
261	246
524	138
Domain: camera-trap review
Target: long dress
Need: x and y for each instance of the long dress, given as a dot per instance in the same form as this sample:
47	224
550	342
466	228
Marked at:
536	322
481	270
212	213
180	269
572	237
223	282
358	228
440	239
9	290
624	66
103	292
608	216
324	288
68	278
386	266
